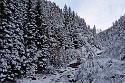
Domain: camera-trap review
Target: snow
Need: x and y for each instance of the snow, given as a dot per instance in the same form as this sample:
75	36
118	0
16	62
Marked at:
62	75
74	61
102	70
45	79
59	45
35	81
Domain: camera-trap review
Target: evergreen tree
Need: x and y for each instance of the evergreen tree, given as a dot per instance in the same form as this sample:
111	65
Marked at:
29	28
12	40
65	12
94	31
41	39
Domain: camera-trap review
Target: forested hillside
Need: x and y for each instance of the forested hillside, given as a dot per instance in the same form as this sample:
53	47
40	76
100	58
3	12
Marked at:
37	37
113	40
109	66
41	43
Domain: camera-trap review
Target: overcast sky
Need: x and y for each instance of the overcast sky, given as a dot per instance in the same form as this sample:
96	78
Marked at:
101	13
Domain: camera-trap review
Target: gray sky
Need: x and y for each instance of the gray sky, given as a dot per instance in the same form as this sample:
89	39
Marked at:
101	13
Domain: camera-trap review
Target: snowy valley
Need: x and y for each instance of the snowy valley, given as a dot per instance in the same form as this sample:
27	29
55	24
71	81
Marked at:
41	43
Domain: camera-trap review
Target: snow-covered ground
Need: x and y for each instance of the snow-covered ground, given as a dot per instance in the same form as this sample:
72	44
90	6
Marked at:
61	76
102	70
64	75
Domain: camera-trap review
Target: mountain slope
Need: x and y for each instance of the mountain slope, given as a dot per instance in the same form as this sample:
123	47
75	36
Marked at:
39	42
109	66
113	39
37	37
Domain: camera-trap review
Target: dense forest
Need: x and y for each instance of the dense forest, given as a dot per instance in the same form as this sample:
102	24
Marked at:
39	38
113	39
